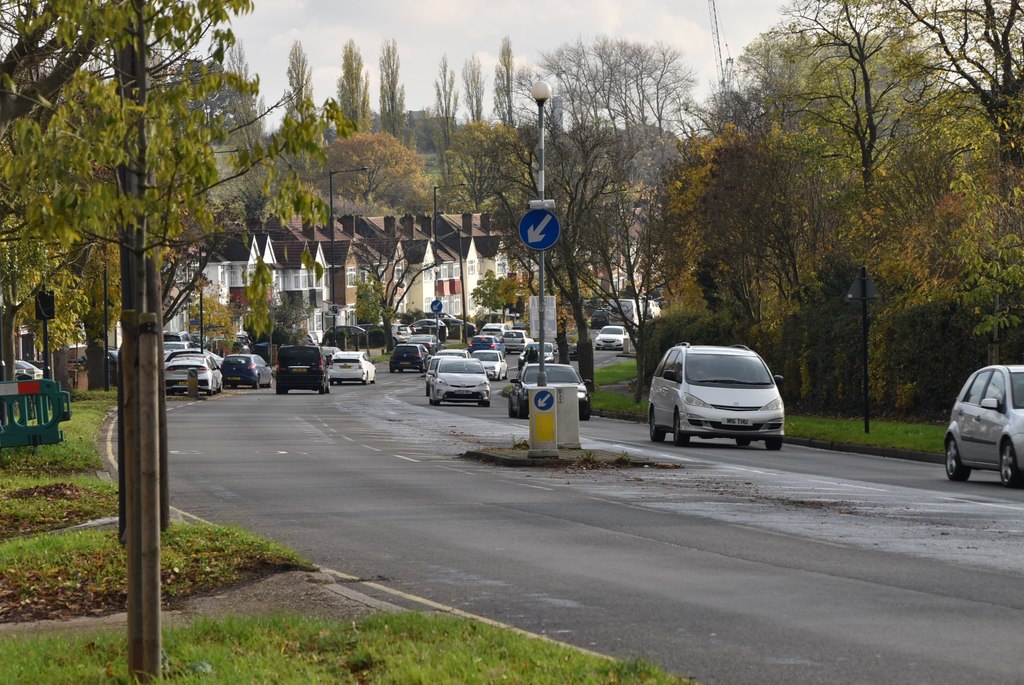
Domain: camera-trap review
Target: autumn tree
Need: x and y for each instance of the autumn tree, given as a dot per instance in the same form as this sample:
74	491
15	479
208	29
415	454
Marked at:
394	178
300	82
504	83
446	105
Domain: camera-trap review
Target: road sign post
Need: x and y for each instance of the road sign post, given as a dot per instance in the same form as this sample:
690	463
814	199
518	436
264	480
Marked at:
437	306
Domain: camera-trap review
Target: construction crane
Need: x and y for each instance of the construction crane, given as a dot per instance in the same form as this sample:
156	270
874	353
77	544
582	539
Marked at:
724	69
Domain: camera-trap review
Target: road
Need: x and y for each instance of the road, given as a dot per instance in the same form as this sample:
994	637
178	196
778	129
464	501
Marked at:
727	564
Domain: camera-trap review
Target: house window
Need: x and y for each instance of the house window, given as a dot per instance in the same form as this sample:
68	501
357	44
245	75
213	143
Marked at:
502	268
351	276
472	267
235	276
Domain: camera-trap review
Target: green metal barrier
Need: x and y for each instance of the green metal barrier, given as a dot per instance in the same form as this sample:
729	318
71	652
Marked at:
31	411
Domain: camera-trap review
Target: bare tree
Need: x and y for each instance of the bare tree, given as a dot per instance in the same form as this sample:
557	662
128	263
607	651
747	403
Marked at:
446	104
473	81
504	82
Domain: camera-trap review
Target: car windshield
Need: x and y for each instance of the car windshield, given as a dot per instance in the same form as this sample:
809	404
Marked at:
556	374
461	366
1017	388
486	356
612	330
726	369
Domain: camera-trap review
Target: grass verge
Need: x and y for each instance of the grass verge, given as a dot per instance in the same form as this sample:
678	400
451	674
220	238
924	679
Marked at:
395	648
918	437
31	505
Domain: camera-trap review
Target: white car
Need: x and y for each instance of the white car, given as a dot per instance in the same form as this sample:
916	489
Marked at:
352	366
458	354
23	368
611	338
515	341
494	362
209	374
461	380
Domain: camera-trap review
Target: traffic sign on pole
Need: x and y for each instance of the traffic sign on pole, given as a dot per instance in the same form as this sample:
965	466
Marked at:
436	306
539	229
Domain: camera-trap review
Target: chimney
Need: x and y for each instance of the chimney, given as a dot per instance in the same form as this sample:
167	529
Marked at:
407	226
485	222
309	231
467	223
389	226
348	226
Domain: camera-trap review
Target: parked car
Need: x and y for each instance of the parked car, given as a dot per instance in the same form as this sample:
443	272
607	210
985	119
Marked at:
434	326
611	338
246	369
531	355
352	366
485	342
986	425
515	341
559	375
461	380
174	345
347	336
302	367
408	356
707	391
176	372
400	333
600	318
24	371
427	340
454	323
494	362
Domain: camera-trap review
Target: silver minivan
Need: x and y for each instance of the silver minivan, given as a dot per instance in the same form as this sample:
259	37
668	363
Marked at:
707	391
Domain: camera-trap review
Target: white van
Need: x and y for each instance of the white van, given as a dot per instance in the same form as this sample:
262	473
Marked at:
706	391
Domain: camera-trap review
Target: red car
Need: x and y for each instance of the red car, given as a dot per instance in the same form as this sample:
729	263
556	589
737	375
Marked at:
485	342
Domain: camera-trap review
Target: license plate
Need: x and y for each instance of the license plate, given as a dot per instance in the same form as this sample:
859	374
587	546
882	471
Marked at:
463	392
737	422
298	369
234	378
346	366
181	383
405	363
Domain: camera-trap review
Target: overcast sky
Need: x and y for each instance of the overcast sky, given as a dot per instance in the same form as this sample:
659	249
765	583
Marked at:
427	29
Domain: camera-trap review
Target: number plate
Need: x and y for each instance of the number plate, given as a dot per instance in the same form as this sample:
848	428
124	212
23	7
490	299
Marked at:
737	422
298	369
463	392
233	378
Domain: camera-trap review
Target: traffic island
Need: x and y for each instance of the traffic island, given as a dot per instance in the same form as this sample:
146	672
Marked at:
513	456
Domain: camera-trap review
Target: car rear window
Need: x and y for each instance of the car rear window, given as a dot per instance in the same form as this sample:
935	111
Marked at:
298	355
236	361
556	374
486	355
407	349
347	359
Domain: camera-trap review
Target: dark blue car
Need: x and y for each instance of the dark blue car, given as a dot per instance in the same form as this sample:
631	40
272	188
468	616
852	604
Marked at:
246	369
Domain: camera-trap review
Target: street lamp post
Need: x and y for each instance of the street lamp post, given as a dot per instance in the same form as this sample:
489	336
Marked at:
437	269
541	93
330	271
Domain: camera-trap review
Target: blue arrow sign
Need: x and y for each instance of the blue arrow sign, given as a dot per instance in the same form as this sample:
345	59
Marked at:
436	306
539	229
544	400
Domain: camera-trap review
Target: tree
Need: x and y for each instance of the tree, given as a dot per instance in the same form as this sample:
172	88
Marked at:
977	50
300	83
478	157
392	93
504	83
354	87
394	177
496	294
473	82
446	104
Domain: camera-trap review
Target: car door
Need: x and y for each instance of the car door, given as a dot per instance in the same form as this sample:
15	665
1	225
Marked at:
991	421
967	415
664	390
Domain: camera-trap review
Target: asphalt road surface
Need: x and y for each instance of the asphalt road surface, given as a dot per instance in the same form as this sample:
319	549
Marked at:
727	564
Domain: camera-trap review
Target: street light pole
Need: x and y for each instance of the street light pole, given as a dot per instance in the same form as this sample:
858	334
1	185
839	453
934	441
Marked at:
437	267
541	93
330	271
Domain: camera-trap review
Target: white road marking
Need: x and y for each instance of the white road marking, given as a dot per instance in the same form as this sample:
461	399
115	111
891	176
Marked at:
406	458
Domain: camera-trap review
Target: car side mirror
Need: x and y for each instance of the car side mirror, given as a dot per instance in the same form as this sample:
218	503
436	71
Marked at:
670	375
991	403
778	380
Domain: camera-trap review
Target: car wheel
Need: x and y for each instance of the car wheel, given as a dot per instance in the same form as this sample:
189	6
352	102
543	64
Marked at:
955	470
678	436
511	412
523	411
433	402
585	413
743	442
773	444
1009	474
209	392
657	434
391	370
256	384
485	403
282	391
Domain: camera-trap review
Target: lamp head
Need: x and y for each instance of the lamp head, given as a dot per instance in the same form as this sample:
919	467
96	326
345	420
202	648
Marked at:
541	92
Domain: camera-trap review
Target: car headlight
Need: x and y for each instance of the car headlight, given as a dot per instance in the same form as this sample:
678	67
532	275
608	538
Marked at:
440	381
694	401
773	405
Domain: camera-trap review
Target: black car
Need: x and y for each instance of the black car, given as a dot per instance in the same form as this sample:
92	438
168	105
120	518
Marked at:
600	318
559	375
302	367
408	356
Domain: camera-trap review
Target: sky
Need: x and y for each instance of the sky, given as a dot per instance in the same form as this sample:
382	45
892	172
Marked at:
426	30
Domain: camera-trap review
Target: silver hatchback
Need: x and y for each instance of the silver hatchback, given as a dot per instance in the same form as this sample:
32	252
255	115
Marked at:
986	426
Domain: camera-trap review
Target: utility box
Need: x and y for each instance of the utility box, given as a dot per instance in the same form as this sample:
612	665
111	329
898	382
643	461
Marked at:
543	422
567	422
